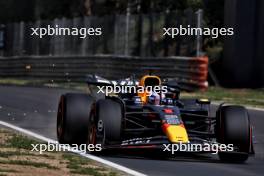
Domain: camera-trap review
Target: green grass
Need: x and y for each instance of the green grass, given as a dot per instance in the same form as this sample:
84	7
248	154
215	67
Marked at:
28	163
73	159
251	97
7	154
17	145
20	142
7	170
75	164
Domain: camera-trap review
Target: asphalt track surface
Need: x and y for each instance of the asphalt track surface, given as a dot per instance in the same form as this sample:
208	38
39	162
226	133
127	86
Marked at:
35	109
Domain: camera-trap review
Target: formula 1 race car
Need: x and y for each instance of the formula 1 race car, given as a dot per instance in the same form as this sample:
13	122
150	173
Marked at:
143	119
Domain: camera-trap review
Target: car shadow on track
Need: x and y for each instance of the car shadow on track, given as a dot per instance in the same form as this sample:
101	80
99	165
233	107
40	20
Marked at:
160	155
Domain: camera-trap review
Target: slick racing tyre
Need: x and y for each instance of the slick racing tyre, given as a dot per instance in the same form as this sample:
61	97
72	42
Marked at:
73	118
233	127
110	116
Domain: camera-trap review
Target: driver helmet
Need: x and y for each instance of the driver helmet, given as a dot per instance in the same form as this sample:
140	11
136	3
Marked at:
154	98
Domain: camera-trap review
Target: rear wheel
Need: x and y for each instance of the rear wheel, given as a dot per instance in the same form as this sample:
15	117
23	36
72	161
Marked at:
110	116
233	127
73	118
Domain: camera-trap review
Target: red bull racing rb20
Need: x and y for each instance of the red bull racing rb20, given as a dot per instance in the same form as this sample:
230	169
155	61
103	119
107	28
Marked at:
147	119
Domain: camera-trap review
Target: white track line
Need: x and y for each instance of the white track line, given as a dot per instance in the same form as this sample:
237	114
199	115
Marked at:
92	157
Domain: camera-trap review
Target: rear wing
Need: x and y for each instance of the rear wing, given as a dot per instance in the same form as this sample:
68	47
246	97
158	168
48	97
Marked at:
96	80
93	79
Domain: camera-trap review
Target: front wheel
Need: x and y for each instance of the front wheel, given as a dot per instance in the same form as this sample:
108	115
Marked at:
110	117
233	127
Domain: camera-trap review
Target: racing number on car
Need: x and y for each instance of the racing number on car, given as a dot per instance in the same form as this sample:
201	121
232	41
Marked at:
172	119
